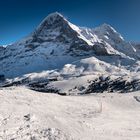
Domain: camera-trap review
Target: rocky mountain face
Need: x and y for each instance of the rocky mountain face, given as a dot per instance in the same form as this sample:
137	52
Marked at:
64	50
1	48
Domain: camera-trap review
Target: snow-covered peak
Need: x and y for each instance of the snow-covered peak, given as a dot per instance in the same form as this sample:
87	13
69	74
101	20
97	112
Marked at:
50	26
53	18
109	32
54	15
107	27
55	27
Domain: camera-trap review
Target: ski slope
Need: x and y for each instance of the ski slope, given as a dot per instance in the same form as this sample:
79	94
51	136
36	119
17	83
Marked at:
30	115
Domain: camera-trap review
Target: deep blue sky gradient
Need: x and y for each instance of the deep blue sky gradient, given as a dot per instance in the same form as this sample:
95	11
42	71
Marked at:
18	18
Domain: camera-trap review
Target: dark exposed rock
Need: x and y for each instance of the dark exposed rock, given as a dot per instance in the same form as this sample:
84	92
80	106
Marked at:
27	117
117	85
100	49
42	87
137	98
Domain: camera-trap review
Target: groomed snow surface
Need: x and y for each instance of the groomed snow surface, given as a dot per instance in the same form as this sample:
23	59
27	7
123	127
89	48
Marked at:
30	115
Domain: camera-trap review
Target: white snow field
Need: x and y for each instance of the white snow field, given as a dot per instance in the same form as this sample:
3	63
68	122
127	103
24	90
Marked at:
31	115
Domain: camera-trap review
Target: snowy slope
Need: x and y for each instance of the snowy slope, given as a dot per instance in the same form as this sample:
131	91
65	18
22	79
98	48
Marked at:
29	115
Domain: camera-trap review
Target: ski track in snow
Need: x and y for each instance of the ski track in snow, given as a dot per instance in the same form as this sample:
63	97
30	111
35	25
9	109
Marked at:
30	115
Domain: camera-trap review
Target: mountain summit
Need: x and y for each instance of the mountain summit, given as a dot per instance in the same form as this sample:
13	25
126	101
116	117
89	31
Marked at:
53	21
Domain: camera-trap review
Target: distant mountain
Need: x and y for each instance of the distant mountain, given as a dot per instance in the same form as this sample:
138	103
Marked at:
68	50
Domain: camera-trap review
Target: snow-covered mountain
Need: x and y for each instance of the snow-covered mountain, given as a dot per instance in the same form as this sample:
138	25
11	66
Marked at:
59	48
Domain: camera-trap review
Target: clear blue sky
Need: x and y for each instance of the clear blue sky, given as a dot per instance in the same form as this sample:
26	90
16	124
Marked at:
20	17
